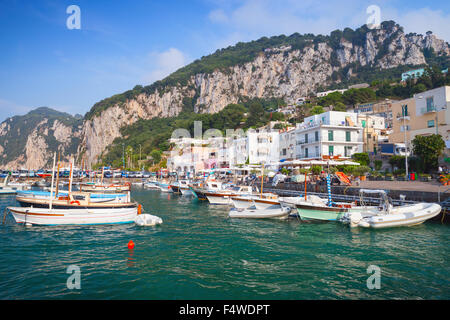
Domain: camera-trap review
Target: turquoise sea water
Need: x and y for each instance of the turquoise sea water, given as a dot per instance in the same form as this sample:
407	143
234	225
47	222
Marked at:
199	253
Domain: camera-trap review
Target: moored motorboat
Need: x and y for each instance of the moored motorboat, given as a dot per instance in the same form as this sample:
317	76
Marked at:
260	201
386	215
269	213
223	197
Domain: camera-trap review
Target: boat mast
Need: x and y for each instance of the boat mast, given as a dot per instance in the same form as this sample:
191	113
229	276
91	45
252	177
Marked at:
70	177
53	179
57	177
306	176
262	178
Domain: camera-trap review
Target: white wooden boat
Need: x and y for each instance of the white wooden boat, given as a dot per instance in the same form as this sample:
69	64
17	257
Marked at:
271	213
152	185
93	187
46	216
260	201
11	188
223	197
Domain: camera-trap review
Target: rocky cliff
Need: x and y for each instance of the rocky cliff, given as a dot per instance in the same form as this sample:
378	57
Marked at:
283	71
29	141
286	67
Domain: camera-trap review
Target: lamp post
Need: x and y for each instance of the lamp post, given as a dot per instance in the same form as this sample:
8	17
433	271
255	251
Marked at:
406	145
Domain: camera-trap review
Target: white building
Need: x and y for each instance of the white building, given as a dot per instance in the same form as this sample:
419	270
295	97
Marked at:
325	93
263	146
332	133
287	143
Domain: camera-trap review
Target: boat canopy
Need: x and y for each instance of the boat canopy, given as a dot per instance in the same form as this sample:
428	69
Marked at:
379	191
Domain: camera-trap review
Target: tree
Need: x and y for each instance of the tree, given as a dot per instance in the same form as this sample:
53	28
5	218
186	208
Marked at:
378	164
362	158
339	107
428	149
317	110
156	155
255	114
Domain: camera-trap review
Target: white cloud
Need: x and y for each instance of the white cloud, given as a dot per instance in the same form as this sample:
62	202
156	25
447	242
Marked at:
421	21
252	19
164	63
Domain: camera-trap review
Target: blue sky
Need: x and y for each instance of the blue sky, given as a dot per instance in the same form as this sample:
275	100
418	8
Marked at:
124	43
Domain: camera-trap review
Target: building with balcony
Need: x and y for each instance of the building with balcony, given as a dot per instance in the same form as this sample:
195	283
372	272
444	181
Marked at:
287	143
374	131
425	113
263	146
332	133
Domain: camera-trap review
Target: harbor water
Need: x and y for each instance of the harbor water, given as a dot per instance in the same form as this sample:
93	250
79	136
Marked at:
200	253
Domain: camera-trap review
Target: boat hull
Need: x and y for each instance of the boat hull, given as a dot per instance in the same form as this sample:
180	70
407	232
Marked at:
409	215
258	203
307	212
275	213
186	191
73	217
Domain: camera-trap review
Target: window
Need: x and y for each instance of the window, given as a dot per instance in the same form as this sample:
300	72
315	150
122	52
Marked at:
430	104
317	151
306	138
306	152
430	123
316	135
330	135
330	150
404	110
348	136
347	151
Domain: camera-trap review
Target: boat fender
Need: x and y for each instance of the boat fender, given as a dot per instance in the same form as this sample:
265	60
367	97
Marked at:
355	219
75	202
139	211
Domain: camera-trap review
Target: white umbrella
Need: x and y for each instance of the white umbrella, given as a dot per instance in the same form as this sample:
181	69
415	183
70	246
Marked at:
350	163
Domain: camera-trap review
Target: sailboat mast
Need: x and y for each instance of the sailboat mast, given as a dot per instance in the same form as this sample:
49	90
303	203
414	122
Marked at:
71	177
262	178
53	180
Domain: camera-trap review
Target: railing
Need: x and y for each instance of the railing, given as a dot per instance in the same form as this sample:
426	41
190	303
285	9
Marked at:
310	155
338	197
401	116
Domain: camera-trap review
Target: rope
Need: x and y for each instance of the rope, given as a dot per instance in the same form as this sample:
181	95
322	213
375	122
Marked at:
4	215
443	215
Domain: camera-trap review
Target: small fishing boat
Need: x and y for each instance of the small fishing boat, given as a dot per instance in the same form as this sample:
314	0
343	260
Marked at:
270	213
47	216
181	186
12	188
164	187
386	215
223	197
146	219
94	187
74	200
261	201
199	190
151	185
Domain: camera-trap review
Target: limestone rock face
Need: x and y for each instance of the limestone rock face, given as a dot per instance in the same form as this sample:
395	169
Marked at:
276	72
29	141
284	72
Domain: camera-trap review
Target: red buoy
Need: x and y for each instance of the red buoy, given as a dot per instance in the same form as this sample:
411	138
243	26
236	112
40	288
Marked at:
130	244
